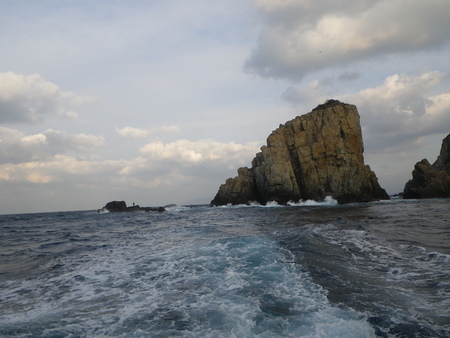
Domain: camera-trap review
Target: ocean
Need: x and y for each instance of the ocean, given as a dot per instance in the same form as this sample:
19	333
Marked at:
378	269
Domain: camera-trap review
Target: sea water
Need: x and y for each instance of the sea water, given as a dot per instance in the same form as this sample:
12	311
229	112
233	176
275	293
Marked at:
305	270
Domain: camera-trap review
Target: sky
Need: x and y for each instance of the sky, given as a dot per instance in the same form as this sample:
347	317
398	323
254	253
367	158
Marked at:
158	102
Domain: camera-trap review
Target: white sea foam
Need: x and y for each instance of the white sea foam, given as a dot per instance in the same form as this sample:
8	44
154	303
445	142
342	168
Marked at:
244	286
328	201
407	269
176	208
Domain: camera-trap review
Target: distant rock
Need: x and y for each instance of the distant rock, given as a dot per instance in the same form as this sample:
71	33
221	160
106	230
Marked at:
121	206
315	155
116	206
431	181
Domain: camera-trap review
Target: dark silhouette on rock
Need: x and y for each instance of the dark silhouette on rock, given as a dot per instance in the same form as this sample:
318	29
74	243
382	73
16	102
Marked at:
121	206
315	155
431	180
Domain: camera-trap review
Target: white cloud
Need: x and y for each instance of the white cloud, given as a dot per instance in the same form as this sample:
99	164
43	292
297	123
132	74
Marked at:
16	147
59	168
193	152
169	129
301	36
139	133
161	165
27	99
183	160
132	133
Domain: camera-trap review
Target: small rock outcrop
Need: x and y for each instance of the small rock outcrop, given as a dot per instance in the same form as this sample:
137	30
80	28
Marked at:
116	206
121	206
315	155
431	180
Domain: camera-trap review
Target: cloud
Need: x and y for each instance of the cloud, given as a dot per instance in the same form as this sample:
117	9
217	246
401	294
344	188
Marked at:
160	165
16	147
27	99
188	152
171	178
59	168
169	129
403	108
186	160
61	142
349	76
394	114
132	133
300	36
138	133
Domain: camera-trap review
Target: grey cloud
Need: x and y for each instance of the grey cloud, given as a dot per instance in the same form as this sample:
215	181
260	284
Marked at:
61	142
299	37
305	97
27	99
402	110
15	147
349	76
394	114
288	14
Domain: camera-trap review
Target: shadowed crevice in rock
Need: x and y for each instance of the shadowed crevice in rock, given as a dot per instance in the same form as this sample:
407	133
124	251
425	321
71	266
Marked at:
315	155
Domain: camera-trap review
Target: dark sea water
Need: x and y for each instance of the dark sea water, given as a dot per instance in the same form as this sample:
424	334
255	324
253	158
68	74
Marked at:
369	270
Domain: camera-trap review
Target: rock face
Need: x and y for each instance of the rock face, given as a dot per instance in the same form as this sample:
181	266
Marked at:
431	181
315	155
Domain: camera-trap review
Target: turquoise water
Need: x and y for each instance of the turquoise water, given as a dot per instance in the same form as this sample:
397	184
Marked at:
309	270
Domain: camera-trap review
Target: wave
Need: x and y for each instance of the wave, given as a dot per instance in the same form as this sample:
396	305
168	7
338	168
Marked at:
328	201
177	208
232	287
401	282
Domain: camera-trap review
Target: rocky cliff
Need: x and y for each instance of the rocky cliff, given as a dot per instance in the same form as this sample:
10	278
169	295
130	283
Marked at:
431	180
315	155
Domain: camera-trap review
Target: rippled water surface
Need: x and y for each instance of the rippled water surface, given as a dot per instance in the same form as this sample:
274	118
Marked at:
309	270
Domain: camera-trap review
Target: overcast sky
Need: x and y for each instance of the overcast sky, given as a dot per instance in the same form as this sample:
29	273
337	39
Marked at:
159	102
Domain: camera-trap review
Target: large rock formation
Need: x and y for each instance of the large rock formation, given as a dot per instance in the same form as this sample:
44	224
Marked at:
431	181
315	155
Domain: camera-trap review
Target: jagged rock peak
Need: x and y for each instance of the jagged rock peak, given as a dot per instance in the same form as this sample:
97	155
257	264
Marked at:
443	160
431	181
315	155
